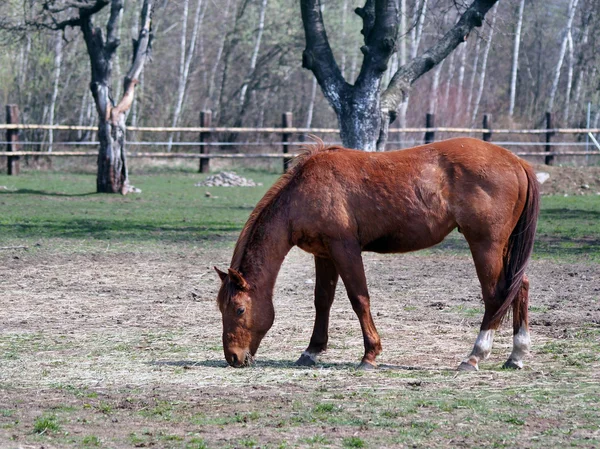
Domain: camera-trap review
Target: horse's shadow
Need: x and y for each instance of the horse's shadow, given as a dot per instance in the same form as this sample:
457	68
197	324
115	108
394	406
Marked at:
288	364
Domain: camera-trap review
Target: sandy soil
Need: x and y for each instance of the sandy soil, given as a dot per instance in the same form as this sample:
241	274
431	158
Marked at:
118	338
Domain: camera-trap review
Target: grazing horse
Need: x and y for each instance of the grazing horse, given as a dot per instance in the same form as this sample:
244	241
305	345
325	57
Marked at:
335	203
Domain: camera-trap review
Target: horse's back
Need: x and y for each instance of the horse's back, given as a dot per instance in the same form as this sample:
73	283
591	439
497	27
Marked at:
405	200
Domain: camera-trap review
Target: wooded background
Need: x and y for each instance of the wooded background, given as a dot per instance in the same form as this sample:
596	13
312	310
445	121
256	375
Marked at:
242	59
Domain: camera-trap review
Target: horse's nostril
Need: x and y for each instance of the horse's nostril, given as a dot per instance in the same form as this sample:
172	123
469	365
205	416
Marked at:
234	359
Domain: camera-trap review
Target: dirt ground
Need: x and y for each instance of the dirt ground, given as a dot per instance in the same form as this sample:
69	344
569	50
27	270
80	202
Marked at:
570	180
126	351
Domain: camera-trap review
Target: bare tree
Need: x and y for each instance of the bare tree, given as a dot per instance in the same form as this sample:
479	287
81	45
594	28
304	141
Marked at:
58	54
515	60
364	112
185	61
561	54
254	57
484	62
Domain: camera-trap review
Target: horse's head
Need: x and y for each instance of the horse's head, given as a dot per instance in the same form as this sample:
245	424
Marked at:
246	317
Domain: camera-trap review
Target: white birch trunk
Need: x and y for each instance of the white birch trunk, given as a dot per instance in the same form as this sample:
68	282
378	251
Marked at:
561	54
417	29
515	60
449	79
571	62
435	87
254	58
117	64
311	105
344	15
185	61
402	33
213	73
58	52
486	52
461	79
473	76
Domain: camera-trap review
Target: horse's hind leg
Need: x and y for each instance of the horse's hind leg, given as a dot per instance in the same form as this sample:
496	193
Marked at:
489	265
348	260
326	281
521	340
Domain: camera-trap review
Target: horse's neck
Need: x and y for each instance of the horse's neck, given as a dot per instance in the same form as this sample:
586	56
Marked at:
265	251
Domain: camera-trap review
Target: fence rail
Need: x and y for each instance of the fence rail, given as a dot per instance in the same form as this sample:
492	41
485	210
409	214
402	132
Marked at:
206	141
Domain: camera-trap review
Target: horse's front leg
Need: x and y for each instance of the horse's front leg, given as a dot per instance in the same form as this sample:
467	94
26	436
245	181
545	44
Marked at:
346	255
326	281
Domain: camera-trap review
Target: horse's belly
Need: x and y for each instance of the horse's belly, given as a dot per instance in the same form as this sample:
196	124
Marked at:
398	245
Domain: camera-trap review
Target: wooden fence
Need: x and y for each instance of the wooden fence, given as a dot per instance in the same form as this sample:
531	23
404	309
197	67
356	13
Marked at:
206	139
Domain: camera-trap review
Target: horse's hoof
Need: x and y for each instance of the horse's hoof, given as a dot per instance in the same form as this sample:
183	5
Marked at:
366	366
306	360
513	364
465	366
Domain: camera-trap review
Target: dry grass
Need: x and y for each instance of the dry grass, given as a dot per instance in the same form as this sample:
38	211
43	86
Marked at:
123	349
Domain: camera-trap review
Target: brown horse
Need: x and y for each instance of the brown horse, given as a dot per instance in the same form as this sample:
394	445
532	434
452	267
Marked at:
335	203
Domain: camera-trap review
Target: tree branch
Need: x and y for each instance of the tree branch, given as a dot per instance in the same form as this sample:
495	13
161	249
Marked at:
414	69
380	27
318	56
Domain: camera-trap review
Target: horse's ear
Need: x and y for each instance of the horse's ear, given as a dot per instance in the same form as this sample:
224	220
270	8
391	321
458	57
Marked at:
238	279
221	274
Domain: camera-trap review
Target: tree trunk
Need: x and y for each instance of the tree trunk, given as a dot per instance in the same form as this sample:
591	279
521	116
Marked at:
473	77
58	51
561	54
112	175
486	52
364	115
515	60
571	62
253	59
311	104
185	62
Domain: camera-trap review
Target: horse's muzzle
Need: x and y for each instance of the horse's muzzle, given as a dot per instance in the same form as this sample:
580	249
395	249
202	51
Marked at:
239	361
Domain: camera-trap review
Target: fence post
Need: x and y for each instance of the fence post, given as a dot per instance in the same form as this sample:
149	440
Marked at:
205	122
286	122
429	123
12	137
487	136
549	159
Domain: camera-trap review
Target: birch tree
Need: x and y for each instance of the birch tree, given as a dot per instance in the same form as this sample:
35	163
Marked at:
254	57
112	174
515	59
561	54
58	54
484	62
185	60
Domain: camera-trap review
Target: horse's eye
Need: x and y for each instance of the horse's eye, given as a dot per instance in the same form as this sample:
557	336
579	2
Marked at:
240	311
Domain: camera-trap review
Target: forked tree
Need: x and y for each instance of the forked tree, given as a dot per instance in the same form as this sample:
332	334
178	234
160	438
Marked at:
364	112
112	174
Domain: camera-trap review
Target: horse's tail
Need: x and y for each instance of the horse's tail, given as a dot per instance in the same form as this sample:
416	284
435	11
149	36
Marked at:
519	248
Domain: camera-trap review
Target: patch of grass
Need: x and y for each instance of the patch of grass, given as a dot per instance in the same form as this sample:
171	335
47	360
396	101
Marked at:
196	443
317	440
353	442
170	210
65	208
248	442
46	424
326	407
91	441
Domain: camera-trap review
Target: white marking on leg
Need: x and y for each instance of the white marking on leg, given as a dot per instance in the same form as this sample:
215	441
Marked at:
483	344
482	348
311	355
521	343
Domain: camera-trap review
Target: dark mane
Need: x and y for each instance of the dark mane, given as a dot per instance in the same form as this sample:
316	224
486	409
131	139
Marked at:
306	152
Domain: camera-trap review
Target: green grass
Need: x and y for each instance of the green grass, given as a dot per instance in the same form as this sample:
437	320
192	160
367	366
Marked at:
46	424
170	209
62	211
